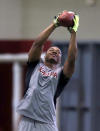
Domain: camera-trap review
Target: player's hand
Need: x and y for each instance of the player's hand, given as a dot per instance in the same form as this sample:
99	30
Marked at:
56	21
76	24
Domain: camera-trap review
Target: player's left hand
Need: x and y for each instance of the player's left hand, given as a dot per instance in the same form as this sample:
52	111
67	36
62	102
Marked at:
76	24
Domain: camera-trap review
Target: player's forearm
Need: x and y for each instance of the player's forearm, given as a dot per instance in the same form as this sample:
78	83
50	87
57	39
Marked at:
43	36
36	49
72	50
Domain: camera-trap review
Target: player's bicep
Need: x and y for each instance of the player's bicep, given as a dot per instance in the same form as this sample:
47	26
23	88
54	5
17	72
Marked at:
34	53
69	67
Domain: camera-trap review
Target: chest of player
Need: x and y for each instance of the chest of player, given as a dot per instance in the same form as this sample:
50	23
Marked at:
43	80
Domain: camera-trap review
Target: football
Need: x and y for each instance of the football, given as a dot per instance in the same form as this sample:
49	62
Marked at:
66	19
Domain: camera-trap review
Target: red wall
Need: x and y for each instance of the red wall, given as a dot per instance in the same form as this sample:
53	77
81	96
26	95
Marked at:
10	46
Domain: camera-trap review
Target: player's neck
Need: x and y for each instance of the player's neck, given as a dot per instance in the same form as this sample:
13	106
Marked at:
50	65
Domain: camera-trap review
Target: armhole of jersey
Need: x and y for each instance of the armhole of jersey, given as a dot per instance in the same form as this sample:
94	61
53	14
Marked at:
30	68
63	80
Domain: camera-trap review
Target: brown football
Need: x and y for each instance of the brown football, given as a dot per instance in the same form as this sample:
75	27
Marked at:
66	19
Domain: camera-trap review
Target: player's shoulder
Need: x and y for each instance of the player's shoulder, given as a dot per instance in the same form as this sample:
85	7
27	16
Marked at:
31	64
59	69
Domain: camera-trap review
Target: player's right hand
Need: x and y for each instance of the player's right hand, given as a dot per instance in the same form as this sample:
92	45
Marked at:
56	21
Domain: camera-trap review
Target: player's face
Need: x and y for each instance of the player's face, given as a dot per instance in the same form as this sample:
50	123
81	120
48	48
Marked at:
53	55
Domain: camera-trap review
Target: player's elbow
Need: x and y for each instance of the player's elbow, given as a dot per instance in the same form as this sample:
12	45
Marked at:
68	72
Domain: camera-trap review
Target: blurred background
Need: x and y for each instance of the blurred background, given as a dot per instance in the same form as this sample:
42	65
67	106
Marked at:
20	22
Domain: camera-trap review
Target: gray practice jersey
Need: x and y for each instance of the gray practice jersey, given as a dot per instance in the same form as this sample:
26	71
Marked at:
44	85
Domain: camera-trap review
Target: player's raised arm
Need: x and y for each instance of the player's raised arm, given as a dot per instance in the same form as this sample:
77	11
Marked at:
72	50
36	49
